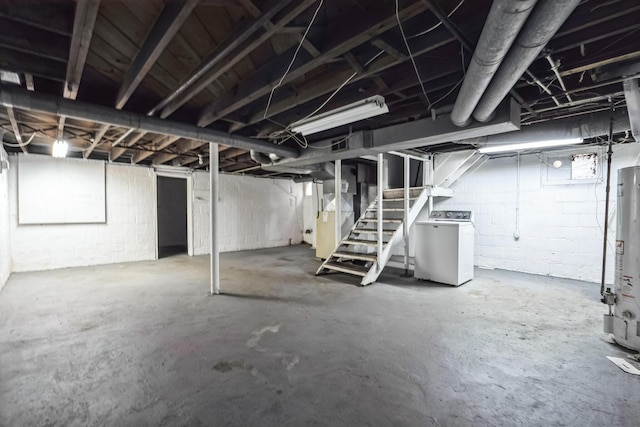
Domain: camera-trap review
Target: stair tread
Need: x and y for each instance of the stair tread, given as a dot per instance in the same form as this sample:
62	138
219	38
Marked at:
360	242
372	231
373	208
383	220
397	199
356	255
347	268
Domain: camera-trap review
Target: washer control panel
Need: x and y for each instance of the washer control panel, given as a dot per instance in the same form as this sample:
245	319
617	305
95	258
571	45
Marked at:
452	215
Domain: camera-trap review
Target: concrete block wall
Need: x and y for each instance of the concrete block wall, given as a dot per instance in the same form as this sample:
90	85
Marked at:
128	235
5	247
255	212
560	232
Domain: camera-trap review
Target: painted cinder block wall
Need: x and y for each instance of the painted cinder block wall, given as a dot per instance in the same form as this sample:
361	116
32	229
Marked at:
5	247
560	225
128	235
254	212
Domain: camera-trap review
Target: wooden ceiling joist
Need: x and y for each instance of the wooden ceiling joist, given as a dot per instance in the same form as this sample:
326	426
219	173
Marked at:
83	24
165	28
233	40
345	36
234	57
435	40
16	129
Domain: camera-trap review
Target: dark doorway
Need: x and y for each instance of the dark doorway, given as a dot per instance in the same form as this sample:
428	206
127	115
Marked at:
172	216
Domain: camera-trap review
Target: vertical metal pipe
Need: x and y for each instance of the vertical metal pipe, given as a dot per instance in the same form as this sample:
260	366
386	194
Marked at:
213	218
407	166
338	199
380	216
606	208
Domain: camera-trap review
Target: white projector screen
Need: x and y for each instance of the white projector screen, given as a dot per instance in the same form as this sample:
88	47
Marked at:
60	191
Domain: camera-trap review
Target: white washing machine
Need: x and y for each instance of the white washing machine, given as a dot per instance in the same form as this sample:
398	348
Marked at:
444	247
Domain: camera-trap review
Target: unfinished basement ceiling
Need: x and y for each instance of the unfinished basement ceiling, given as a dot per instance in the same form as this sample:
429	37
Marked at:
214	63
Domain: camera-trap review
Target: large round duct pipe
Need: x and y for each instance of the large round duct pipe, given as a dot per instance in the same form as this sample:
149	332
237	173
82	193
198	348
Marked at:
265	161
29	101
632	97
501	28
545	20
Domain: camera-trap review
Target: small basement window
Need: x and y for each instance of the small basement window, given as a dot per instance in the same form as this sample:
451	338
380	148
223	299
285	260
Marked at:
584	166
562	168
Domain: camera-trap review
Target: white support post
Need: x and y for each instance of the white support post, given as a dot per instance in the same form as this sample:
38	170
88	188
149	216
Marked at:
405	229
380	216
338	200
213	218
427	180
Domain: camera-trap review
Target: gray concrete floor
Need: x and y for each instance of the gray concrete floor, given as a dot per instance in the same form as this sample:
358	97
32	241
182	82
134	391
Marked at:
143	344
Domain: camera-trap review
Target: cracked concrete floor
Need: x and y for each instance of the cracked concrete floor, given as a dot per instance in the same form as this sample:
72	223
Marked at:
143	344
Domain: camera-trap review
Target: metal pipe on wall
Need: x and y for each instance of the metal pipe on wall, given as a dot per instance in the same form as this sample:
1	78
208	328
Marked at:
405	230
606	210
380	208
338	199
545	20
501	28
632	98
213	218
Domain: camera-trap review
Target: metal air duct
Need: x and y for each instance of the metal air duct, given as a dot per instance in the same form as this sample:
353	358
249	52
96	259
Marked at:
587	126
501	28
545	20
632	97
29	101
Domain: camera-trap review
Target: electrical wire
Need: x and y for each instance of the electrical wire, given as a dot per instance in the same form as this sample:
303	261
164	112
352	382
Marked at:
18	145
438	24
413	61
295	55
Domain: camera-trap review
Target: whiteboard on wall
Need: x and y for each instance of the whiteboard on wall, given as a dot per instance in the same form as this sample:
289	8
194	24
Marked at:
61	191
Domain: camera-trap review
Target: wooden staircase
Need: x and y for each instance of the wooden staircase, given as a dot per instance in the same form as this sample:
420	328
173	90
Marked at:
357	254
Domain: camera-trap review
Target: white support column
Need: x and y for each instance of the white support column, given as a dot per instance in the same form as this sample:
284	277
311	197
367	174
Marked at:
427	180
213	218
405	229
380	216
338	191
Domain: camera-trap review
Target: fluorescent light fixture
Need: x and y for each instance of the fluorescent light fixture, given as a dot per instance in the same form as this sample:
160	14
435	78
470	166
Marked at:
360	110
60	148
529	145
9	77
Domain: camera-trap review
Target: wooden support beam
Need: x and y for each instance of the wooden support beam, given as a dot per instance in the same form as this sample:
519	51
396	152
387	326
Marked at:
96	140
591	65
158	144
16	129
118	151
14	36
255	11
21	62
389	49
344	36
54	17
83	24
173	16
234	40
213	72
357	67
436	39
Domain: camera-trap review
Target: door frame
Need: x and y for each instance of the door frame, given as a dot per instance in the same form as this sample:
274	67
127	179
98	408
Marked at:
180	175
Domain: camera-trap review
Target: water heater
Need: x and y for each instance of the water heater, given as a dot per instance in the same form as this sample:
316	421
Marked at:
624	318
